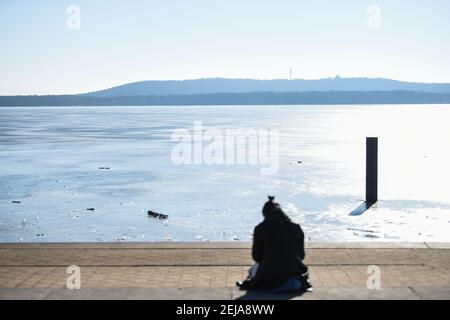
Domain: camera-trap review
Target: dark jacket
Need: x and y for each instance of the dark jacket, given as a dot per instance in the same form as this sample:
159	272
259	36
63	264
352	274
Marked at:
278	247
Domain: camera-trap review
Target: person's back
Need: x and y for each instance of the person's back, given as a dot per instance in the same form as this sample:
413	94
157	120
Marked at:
278	248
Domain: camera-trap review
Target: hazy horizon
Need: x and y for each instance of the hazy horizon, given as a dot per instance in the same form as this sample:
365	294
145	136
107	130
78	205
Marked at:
261	79
224	78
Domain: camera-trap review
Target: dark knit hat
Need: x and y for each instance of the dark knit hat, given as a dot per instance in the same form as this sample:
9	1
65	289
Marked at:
272	211
269	206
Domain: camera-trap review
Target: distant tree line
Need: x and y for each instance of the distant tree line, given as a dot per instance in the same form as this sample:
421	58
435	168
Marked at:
249	98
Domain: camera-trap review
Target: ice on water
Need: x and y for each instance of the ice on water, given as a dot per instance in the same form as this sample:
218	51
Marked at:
50	159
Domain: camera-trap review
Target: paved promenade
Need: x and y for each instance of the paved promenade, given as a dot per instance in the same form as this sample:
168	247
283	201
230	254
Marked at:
209	270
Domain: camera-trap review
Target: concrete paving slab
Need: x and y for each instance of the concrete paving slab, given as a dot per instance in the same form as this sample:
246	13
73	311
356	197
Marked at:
209	270
438	245
323	293
432	293
337	293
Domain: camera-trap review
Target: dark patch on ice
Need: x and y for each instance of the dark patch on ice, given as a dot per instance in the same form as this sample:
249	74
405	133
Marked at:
371	236
157	215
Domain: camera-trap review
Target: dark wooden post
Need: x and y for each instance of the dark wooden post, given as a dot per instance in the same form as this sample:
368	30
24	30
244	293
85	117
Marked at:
371	169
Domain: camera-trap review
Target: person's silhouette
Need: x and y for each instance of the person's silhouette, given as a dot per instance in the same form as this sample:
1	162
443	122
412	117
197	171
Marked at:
278	251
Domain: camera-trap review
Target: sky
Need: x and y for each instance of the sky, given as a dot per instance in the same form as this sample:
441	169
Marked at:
44	50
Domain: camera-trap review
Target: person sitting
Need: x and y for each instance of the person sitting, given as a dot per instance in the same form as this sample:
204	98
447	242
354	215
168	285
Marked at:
278	251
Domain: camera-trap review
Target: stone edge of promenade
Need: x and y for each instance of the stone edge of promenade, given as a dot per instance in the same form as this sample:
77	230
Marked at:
226	245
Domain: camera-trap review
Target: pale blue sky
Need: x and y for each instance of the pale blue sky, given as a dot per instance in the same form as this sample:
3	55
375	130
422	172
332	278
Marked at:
125	41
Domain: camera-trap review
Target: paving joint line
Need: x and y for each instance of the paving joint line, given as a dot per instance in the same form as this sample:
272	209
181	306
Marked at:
209	265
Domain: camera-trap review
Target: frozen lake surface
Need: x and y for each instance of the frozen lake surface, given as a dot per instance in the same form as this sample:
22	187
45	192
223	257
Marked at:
50	159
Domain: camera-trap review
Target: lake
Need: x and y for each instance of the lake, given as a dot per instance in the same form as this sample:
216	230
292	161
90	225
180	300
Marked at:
57	162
